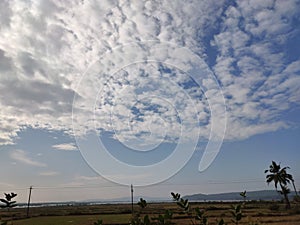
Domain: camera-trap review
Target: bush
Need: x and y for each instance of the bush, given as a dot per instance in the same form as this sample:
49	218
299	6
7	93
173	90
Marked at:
297	198
274	207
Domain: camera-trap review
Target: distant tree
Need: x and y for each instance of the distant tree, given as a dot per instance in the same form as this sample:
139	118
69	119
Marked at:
280	176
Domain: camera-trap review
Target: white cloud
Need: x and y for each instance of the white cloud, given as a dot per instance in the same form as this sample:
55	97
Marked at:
65	147
253	68
81	180
22	157
88	178
56	47
49	173
46	47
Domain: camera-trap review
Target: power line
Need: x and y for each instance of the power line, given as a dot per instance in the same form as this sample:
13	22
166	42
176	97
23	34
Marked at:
207	182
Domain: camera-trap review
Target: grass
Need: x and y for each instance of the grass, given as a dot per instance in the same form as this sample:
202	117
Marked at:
75	220
121	213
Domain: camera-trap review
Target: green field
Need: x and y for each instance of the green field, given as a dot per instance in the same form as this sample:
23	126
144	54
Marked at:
75	220
259	212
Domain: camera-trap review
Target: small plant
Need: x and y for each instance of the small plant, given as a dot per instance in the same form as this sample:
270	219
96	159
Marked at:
146	220
99	222
137	220
164	219
185	206
8	201
8	204
221	222
200	216
236	212
244	195
176	196
142	203
182	203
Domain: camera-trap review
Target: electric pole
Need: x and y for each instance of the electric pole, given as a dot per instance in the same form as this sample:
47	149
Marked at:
28	204
132	199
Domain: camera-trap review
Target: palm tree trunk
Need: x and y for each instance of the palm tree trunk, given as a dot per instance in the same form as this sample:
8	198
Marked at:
288	204
295	188
287	201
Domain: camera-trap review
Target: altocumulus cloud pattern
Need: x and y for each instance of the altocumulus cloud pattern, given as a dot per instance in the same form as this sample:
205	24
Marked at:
47	48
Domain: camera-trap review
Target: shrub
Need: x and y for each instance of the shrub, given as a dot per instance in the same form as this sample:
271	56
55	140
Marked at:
274	207
297	198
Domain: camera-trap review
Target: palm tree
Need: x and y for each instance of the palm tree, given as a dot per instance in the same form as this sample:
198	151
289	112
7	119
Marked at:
285	190
280	176
289	177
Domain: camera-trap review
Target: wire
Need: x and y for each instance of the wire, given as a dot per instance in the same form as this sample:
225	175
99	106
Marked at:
100	186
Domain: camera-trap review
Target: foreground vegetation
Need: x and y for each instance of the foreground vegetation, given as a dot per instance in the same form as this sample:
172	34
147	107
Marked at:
273	213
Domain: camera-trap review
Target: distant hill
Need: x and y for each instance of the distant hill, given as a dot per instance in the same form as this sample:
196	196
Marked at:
234	196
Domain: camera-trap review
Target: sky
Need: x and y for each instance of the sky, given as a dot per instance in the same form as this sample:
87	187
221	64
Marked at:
183	96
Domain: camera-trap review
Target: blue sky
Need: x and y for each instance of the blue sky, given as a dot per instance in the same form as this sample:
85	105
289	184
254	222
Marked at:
98	95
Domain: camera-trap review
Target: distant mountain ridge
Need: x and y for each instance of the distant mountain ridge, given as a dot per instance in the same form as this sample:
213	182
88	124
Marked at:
235	196
266	195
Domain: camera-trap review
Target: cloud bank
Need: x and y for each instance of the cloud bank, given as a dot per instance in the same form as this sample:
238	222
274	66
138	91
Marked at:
47	47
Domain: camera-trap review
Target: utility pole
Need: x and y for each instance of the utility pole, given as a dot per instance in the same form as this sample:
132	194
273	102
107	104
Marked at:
132	199
28	204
